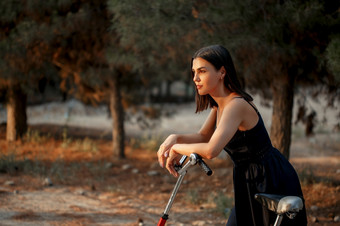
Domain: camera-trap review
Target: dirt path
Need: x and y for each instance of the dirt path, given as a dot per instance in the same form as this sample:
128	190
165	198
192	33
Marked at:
63	206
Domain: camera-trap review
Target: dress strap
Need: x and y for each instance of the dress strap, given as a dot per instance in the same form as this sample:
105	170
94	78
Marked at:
251	104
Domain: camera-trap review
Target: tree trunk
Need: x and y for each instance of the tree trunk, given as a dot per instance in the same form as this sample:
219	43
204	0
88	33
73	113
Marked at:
283	100
16	113
117	112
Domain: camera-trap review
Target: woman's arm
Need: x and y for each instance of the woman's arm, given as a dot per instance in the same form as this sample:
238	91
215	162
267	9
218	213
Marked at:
203	135
231	118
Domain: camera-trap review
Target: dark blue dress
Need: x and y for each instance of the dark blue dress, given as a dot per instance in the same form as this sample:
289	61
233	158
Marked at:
260	168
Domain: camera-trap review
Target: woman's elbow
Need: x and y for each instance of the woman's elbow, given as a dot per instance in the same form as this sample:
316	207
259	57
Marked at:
210	156
211	153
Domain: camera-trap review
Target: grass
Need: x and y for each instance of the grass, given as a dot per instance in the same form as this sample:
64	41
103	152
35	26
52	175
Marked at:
86	145
59	170
147	142
193	197
97	170
12	165
66	141
222	203
308	177
83	145
34	136
8	164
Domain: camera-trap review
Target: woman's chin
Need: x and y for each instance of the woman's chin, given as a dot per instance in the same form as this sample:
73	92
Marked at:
201	92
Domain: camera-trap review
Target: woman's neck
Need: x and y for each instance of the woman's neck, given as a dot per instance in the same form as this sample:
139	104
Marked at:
223	99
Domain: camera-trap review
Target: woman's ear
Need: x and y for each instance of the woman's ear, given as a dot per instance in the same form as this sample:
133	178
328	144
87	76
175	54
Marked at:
222	72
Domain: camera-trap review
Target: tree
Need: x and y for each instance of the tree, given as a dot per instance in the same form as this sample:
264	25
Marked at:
149	45
23	46
280	45
156	38
81	42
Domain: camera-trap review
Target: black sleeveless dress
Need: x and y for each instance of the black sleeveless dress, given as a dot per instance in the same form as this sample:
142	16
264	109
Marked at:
260	168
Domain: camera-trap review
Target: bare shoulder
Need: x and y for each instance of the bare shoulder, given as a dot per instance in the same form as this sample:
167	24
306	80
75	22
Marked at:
246	110
239	104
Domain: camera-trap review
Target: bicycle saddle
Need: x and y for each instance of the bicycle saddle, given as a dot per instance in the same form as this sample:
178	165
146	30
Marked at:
280	204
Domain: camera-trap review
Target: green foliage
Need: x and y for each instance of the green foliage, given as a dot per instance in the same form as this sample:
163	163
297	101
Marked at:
151	39
10	10
157	38
25	38
333	57
273	38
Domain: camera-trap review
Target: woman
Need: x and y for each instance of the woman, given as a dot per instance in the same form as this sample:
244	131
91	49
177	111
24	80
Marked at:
235	125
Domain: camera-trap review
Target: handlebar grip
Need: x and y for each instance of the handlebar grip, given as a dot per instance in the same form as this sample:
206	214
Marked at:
205	167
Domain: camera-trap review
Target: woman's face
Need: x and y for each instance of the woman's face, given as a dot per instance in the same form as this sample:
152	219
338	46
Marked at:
206	77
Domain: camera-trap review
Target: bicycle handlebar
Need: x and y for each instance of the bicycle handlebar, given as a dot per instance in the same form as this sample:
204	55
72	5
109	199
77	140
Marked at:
193	160
205	167
202	164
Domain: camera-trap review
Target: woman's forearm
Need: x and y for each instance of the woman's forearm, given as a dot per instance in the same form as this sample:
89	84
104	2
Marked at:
205	150
191	138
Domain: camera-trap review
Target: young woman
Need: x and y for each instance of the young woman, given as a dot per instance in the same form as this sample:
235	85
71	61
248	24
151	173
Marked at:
235	125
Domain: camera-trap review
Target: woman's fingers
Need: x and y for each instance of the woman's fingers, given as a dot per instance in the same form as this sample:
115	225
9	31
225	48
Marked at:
171	162
170	167
162	154
164	149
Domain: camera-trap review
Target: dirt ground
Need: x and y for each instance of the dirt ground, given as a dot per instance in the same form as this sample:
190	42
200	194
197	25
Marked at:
61	175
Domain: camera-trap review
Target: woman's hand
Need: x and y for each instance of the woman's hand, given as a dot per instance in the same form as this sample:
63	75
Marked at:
171	161
164	149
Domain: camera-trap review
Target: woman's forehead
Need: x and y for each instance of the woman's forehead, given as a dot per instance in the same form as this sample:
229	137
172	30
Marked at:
200	62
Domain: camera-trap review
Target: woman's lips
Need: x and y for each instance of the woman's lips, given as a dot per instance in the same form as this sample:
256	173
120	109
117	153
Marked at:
198	86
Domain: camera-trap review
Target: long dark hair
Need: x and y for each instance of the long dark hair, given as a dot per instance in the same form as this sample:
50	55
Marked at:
218	56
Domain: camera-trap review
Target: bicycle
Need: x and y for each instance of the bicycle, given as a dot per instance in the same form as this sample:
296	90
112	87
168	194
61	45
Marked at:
280	204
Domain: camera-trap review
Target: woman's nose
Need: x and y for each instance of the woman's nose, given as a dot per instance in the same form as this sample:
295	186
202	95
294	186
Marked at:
196	78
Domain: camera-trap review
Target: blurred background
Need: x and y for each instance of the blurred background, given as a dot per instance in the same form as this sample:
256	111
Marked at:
104	82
